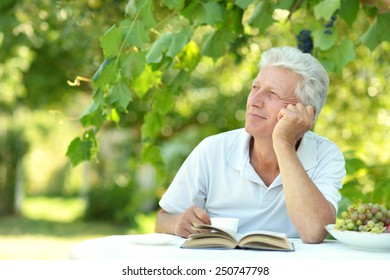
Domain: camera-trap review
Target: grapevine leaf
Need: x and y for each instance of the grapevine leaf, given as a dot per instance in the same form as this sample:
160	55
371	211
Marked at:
81	150
243	4
151	154
142	10
215	42
325	40
152	125
189	57
213	13
195	13
164	101
340	55
92	116
379	31
179	40
120	95
285	4
326	9
159	47
104	74
134	33
349	10
146	81
132	64
174	4
110	41
262	16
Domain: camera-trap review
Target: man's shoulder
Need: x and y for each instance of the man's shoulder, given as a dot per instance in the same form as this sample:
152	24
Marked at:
321	141
224	137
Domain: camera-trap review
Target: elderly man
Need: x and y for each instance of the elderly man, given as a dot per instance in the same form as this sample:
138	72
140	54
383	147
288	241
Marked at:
274	174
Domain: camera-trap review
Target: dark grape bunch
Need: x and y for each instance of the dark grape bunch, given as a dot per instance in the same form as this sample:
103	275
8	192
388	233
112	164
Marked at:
305	42
330	24
365	217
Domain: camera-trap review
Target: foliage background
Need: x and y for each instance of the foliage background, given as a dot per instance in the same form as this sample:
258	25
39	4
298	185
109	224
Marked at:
164	75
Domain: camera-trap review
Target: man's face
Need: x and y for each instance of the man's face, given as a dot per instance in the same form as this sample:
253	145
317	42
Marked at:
272	89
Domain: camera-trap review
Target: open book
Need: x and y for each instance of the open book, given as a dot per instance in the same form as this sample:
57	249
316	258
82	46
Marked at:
221	238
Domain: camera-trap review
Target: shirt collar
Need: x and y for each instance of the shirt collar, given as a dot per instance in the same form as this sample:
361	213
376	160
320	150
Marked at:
239	153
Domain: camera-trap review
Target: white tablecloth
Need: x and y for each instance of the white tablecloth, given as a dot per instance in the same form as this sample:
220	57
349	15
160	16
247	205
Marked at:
127	247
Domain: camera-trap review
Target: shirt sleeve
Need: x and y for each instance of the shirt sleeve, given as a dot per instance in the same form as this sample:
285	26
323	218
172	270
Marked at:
330	173
189	185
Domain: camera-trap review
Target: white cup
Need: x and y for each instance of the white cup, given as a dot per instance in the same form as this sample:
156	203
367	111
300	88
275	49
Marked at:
225	223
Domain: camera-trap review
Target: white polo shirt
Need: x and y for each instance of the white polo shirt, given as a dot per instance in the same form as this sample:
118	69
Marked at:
218	177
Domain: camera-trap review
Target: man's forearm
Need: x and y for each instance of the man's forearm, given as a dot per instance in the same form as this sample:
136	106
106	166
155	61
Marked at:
165	222
307	207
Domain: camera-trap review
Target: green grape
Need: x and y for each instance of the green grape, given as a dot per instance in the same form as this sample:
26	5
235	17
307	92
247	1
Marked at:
379	216
364	217
361	209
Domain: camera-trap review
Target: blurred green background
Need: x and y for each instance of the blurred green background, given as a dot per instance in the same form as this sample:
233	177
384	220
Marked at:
46	205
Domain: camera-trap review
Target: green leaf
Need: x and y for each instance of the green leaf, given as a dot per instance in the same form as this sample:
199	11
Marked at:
215	43
340	55
243	4
82	150
110	41
326	9
152	125
174	4
92	116
323	40
349	10
146	81
179	40
132	64
194	12
151	154
160	46
135	33
141	10
119	95
104	74
353	165
164	101
262	16
213	13
378	32
189	57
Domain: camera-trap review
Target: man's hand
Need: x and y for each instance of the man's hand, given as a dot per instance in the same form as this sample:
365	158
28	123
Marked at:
293	122
187	220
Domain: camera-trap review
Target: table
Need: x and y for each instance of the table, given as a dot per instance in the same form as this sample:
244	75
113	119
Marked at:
126	247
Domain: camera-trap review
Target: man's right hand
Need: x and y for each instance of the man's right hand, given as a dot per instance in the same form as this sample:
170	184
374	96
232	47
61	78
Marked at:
181	224
187	220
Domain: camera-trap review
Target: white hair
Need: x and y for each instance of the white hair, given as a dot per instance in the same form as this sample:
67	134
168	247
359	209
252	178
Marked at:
313	87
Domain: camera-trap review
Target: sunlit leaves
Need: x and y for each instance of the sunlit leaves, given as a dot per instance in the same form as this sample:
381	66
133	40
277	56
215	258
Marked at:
147	80
349	10
93	115
169	44
340	55
215	42
83	149
152	125
243	4
174	4
111	41
119	95
104	74
379	31
189	57
262	16
135	33
325	9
